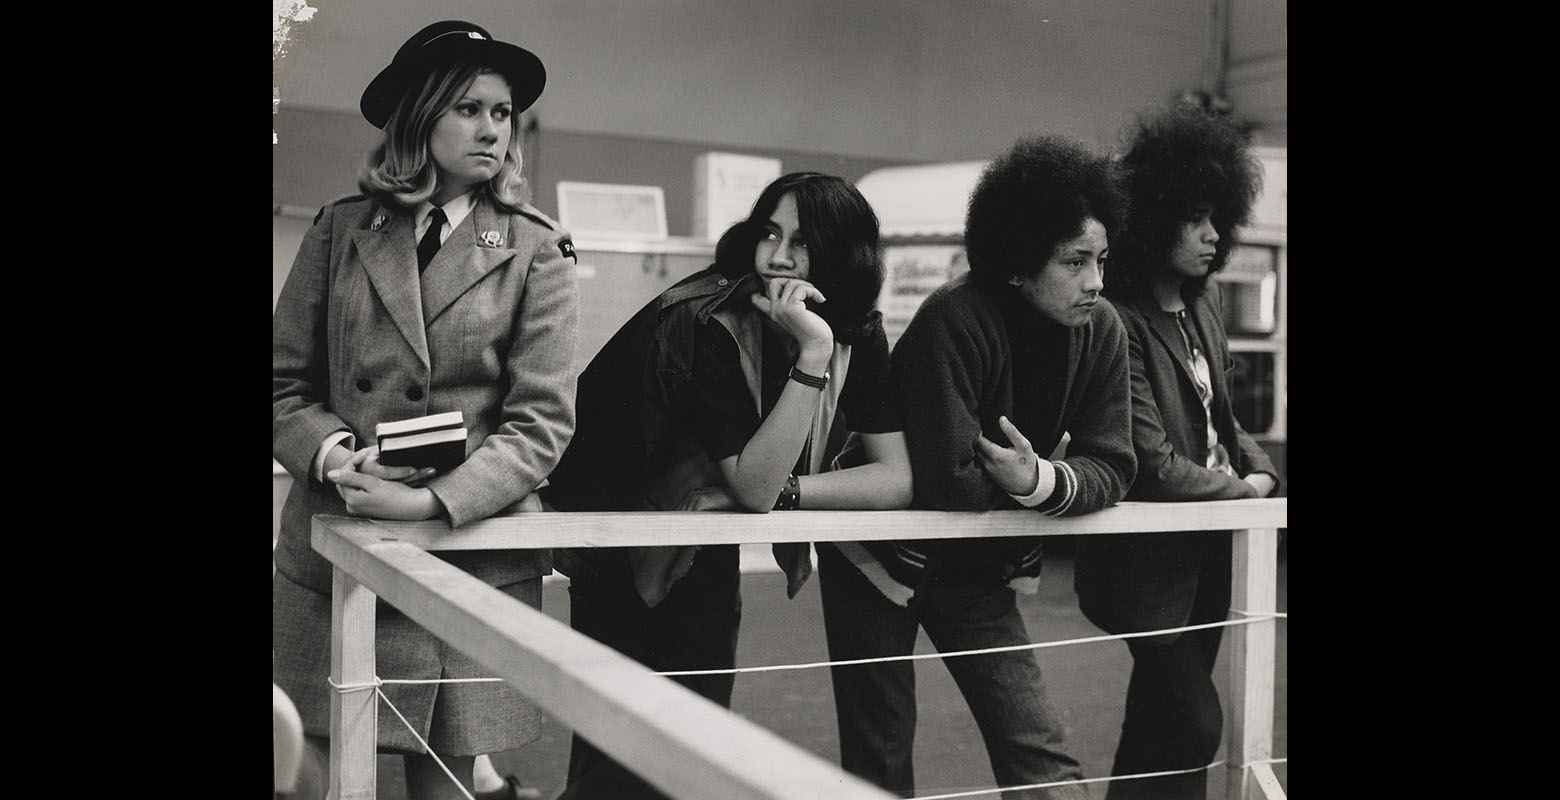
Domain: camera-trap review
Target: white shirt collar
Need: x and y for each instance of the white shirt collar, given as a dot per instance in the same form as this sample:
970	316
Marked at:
455	211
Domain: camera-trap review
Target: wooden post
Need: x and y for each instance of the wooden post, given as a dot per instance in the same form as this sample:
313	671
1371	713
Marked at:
1253	659
354	715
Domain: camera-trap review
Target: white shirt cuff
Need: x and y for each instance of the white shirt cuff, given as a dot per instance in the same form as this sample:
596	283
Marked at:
331	441
1045	483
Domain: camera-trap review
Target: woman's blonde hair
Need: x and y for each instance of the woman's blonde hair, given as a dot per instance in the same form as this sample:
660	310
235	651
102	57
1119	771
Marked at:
400	170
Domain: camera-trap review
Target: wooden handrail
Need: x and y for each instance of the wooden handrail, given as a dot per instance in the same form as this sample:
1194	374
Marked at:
680	742
629	528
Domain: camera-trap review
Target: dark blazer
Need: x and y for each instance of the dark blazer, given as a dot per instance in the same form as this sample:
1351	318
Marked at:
490	329
1132	582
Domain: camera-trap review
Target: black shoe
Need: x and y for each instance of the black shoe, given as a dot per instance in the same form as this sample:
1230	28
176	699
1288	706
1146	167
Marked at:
512	790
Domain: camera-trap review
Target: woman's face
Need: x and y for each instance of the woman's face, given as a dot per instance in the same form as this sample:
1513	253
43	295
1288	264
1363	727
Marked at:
469	141
1193	252
1068	286
781	252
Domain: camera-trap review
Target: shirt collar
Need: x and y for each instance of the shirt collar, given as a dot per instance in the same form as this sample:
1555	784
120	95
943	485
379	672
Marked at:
455	210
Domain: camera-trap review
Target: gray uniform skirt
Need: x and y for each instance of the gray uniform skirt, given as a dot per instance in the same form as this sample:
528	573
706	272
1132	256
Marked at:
459	719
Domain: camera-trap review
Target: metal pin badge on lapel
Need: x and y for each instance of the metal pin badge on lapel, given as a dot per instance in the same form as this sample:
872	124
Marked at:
491	239
379	222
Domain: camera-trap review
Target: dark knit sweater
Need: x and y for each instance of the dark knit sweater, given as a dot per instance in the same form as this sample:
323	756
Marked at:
956	373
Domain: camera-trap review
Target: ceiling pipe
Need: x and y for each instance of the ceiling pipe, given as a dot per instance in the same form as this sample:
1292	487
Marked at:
1218	48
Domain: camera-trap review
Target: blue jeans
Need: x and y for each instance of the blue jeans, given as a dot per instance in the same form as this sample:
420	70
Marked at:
875	703
693	627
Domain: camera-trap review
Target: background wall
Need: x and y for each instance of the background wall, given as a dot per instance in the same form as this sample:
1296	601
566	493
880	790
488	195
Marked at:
637	89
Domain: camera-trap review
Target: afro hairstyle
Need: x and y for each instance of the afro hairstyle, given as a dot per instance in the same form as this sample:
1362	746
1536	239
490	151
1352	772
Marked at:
1032	198
1176	161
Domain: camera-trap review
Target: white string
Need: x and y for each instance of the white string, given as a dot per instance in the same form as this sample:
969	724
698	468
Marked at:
426	748
1081	781
407	681
1250	617
343	688
1074	782
1260	614
377	682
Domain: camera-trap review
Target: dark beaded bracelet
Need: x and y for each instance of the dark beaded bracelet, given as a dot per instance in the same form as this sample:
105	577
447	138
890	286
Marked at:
809	380
791	496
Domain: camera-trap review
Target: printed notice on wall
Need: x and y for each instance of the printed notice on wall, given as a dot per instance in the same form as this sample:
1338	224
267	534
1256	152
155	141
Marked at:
911	272
725	185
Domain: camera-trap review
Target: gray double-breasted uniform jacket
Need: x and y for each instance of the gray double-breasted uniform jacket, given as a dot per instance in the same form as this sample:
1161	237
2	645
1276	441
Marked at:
490	329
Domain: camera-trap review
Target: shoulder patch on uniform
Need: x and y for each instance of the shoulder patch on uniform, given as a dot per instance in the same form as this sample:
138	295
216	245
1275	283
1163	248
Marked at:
567	248
338	201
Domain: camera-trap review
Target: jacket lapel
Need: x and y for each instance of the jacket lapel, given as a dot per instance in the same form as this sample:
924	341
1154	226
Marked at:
389	256
1164	328
1205	315
480	245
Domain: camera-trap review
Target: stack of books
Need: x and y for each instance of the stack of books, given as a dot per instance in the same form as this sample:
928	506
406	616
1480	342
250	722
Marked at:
437	440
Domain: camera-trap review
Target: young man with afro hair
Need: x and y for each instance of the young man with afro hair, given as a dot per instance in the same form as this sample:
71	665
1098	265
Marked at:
995	367
1191	179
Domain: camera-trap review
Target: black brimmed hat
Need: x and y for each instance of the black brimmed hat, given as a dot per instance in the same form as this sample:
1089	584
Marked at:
441	43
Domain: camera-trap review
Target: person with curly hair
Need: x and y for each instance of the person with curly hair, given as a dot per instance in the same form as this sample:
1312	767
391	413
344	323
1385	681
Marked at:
1192	179
994	368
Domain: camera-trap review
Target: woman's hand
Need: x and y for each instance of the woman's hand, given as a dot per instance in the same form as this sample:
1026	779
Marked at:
784	302
1012	468
366	461
370	496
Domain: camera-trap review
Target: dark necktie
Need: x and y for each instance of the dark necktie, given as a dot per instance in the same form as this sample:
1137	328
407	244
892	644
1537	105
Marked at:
430	241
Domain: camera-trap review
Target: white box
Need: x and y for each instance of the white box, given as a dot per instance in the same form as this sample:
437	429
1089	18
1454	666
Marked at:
725	185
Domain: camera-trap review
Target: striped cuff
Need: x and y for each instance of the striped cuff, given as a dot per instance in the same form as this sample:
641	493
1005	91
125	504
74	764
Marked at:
1045	483
1066	491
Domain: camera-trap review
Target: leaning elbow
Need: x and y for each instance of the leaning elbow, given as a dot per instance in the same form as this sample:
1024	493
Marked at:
756	504
897	494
